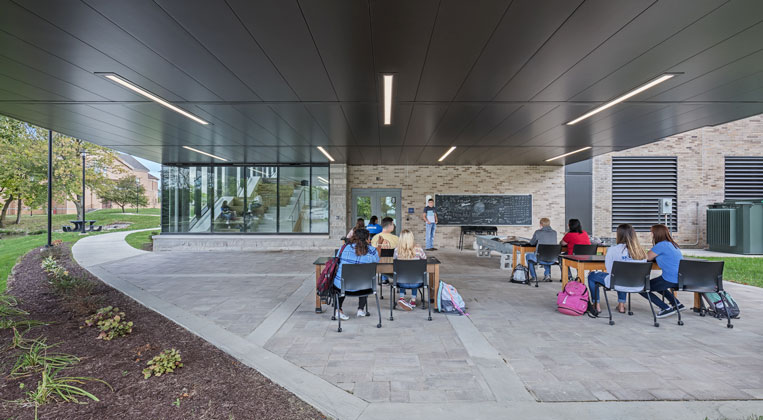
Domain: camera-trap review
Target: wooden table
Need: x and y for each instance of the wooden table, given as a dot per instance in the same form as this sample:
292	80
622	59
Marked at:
384	266
583	263
523	249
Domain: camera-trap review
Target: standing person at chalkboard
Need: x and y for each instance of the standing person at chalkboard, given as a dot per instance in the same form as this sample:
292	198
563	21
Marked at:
430	218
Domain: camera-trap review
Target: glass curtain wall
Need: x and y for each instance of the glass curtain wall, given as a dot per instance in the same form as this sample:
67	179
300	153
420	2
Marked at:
245	199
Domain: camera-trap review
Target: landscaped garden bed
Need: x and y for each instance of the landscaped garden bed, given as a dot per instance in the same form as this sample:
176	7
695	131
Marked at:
196	380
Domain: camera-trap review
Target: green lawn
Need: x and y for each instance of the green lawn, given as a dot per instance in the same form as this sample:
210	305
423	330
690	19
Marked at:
138	239
13	247
742	270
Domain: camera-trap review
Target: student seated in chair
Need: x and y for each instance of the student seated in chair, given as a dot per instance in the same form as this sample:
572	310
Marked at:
373	227
360	224
667	254
408	250
357	251
627	249
227	212
386	239
575	236
543	236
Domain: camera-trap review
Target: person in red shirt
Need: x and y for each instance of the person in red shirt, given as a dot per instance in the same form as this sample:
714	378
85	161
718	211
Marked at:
575	236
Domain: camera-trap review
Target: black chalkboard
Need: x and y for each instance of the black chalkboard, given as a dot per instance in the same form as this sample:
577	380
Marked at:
484	210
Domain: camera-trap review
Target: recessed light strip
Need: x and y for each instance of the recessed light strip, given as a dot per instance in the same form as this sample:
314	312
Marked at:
616	101
388	99
205	153
135	88
325	153
567	154
446	154
324	180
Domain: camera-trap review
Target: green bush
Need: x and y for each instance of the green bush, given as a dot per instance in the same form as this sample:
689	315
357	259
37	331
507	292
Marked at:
166	362
65	284
111	322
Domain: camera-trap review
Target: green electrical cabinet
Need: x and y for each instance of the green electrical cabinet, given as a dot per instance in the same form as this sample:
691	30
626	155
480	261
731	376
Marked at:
735	227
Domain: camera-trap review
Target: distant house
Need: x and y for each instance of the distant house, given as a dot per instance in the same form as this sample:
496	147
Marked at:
124	165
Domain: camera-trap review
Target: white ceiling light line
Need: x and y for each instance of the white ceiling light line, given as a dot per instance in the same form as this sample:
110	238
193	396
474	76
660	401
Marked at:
135	88
628	95
387	98
324	180
325	153
567	154
446	154
205	153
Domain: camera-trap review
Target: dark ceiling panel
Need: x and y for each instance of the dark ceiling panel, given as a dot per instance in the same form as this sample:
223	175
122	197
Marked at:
461	31
276	78
400	31
280	29
592	23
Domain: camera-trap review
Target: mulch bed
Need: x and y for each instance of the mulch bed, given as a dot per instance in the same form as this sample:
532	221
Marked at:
211	385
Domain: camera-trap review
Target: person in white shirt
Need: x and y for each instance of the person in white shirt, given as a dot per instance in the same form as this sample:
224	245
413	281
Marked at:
627	249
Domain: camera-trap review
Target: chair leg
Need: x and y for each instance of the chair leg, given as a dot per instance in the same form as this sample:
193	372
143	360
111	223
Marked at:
606	300
629	305
726	309
378	310
339	318
675	305
429	307
654	315
391	301
381	286
333	314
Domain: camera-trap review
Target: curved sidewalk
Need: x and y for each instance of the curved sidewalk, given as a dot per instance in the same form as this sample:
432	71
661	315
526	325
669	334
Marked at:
144	276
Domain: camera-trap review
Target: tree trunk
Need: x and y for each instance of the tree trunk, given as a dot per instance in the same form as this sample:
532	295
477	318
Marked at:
123	208
18	210
80	208
5	210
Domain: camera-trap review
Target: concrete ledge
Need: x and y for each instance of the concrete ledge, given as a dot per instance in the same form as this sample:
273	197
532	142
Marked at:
168	243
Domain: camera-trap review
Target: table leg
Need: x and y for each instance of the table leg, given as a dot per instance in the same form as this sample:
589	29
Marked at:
318	307
513	257
434	284
565	279
522	256
697	302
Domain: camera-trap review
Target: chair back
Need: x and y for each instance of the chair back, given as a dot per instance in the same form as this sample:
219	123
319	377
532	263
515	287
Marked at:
358	276
548	253
410	271
387	252
700	276
585	249
630	274
336	251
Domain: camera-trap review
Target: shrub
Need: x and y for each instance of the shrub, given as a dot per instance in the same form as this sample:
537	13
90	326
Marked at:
37	357
111	322
52	387
63	282
166	362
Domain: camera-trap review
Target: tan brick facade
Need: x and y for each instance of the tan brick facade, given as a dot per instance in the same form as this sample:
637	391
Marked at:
545	183
700	154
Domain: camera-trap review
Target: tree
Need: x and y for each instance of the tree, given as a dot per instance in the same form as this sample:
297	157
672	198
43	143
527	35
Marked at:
124	191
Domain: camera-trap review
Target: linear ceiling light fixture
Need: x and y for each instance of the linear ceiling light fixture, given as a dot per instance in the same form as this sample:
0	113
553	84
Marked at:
567	154
446	154
387	98
324	180
140	91
205	153
325	153
628	95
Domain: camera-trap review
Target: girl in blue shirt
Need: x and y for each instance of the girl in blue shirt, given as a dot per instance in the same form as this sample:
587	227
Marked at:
667	254
358	251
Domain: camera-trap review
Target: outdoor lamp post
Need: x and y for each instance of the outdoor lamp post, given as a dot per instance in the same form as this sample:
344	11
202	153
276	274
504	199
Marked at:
83	153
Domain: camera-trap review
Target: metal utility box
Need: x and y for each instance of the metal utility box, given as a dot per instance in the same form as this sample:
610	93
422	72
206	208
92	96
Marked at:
736	227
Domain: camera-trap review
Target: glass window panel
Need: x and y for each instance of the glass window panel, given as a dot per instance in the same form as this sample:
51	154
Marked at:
389	208
185	199
262	211
363	207
294	199
230	200
319	200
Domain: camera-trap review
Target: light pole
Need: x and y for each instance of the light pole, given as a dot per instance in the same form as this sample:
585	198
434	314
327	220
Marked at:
83	153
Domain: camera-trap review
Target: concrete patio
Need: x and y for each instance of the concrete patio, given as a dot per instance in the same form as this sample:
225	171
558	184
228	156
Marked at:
513	352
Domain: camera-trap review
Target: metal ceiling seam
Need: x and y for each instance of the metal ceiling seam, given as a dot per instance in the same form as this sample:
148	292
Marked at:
317	50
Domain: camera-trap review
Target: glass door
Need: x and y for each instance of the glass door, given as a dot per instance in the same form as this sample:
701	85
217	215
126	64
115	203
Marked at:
377	202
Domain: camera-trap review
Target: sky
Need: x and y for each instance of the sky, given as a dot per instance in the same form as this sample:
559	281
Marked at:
153	167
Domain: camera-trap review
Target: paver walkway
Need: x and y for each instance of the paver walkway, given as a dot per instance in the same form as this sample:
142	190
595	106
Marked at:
513	352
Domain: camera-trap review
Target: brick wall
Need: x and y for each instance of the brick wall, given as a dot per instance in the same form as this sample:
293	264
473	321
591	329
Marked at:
545	183
700	156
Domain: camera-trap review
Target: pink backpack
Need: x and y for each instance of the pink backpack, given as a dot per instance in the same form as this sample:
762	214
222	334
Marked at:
573	300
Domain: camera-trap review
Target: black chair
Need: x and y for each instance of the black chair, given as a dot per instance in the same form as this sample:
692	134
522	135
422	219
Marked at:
410	272
383	253
547	253
360	279
702	277
585	249
387	252
631	275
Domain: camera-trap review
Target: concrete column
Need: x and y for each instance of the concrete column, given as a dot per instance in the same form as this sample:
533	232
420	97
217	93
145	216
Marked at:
338	201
